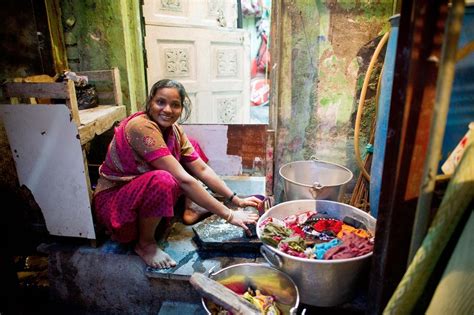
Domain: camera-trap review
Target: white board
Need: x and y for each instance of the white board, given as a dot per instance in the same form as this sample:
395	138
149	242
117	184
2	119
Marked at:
213	141
48	157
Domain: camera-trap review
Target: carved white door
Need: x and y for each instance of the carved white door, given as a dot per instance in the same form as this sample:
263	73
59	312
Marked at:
196	42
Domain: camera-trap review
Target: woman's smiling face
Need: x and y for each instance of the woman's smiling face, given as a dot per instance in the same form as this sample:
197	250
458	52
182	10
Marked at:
166	107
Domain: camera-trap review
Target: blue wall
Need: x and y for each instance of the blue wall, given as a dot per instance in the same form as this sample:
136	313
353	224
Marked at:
461	109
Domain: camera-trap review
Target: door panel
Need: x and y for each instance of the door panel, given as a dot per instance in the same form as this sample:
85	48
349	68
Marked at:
211	13
213	63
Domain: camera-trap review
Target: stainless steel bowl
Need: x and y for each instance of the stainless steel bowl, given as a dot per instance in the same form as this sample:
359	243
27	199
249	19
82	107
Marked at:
268	280
314	179
320	282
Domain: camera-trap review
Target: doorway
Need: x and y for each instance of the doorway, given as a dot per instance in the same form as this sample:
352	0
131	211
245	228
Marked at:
256	20
219	51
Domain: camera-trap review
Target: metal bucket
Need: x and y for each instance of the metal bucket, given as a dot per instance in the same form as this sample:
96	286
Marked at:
314	179
320	282
268	280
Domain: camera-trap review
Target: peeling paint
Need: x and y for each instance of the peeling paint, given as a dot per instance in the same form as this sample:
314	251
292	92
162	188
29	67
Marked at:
322	63
107	37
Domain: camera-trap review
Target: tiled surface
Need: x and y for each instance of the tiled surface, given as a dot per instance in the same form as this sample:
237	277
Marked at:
215	233
173	308
90	275
181	246
246	185
181	243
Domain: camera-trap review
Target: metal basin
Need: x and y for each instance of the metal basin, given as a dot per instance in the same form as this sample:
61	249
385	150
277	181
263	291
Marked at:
314	179
268	280
320	282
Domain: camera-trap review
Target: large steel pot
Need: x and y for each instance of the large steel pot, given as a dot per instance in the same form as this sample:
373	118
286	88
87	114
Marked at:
268	280
320	282
314	179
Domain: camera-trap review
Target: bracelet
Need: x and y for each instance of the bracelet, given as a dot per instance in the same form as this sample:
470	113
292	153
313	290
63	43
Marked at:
232	197
231	215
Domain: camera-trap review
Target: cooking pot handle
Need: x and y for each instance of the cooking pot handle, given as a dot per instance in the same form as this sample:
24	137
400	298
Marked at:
294	310
315	189
275	257
210	273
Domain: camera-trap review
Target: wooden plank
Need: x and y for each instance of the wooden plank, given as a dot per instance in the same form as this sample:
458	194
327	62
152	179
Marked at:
86	173
222	295
419	40
38	90
113	76
98	75
109	95
91	114
117	86
53	12
418	279
95	121
71	102
269	170
455	291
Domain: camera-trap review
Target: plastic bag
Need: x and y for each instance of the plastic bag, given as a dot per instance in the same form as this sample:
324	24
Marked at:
87	97
86	93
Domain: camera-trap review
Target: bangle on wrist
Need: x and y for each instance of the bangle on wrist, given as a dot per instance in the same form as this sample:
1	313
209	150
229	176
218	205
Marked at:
232	197
231	215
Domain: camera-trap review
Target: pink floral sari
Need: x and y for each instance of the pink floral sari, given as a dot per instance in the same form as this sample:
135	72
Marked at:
130	188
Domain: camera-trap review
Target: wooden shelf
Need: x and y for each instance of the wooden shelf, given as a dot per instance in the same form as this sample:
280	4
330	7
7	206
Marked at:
97	120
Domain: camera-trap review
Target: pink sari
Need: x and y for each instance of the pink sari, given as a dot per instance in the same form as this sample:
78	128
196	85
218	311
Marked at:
130	187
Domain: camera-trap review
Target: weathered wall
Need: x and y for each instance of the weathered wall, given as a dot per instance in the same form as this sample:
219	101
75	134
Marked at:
25	51
100	35
104	34
318	72
25	47
232	150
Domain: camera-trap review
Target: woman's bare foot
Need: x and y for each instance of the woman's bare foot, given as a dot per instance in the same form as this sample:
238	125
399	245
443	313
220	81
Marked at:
193	213
154	256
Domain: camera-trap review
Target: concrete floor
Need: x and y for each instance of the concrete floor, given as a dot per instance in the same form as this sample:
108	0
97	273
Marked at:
112	279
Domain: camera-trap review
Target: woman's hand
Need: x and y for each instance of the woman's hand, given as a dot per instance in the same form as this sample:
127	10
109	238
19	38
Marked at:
241	218
251	201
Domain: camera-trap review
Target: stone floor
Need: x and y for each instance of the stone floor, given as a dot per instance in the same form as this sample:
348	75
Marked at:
111	279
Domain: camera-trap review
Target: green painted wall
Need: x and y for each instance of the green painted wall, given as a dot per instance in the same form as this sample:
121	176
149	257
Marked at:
104	34
322	63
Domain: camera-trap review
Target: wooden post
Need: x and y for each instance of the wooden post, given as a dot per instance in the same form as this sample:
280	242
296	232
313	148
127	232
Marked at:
269	162
414	84
222	295
117	89
71	102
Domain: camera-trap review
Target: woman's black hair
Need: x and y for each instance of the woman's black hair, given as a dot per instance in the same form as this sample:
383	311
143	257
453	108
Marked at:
167	83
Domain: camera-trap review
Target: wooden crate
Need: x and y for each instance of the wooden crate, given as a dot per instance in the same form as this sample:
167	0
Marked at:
90	122
49	137
95	121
